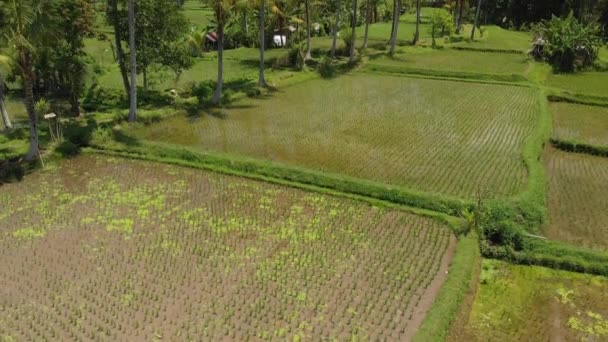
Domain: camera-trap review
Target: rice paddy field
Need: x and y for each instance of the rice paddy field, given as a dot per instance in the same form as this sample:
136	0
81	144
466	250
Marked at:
436	136
524	303
456	60
497	38
106	248
580	123
578	184
588	83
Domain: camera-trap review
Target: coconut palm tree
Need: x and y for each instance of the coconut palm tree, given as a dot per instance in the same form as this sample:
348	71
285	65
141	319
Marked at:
28	27
6	120
335	29
396	17
120	54
222	10
133	63
353	34
368	14
262	28
417	33
476	19
308	46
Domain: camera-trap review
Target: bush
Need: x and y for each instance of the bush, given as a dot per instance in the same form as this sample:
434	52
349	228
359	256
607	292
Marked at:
203	91
11	171
100	99
326	68
68	149
567	44
347	37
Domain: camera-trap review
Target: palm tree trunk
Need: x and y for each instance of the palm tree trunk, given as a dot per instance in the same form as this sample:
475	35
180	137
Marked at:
459	26
144	73
220	64
417	34
119	50
335	30
367	20
6	120
28	88
308	47
353	37
396	17
262	79
477	10
390	40
133	55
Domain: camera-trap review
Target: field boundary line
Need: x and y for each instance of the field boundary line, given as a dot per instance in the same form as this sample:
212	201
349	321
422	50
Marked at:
439	319
454	222
488	50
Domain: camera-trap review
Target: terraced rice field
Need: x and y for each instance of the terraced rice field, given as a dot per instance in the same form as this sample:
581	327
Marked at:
455	60
436	136
590	83
582	124
523	303
578	184
104	248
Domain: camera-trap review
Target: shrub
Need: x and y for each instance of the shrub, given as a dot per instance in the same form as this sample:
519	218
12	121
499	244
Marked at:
347	37
11	171
67	149
103	99
203	92
567	44
326	68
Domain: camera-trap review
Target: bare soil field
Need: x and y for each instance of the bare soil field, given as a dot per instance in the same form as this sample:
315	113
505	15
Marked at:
105	248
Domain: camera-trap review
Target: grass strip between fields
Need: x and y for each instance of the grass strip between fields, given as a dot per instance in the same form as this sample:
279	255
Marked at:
468	48
439	319
225	165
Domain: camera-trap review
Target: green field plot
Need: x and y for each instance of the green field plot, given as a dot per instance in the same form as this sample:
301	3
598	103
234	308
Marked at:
457	61
579	123
99	247
589	83
496	38
578	185
523	303
437	136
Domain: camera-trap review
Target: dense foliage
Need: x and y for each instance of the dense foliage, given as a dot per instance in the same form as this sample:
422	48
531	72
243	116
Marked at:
569	44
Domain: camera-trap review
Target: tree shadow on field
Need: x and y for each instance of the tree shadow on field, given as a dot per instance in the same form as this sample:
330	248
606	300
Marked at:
126	139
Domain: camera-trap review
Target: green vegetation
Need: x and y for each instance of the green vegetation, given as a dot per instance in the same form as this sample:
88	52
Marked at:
577	199
326	190
461	275
517	302
580	125
297	257
304	126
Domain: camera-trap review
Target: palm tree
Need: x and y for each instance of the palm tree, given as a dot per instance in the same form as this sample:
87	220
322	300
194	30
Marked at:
120	54
222	10
396	17
335	29
459	26
133	62
6	120
308	47
27	27
417	34
368	9
262	24
196	42
476	19
353	34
